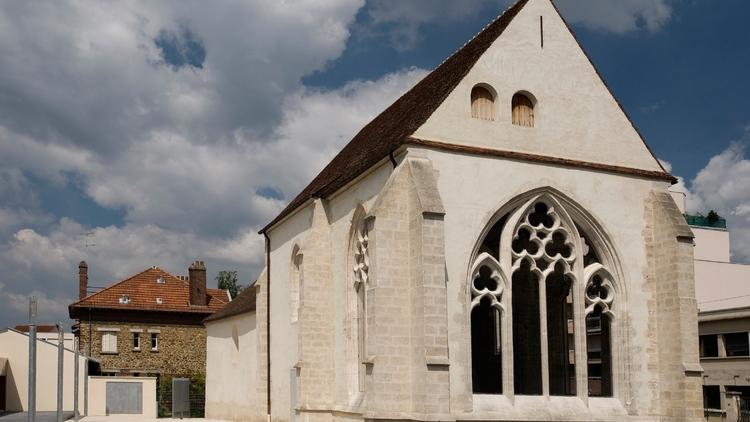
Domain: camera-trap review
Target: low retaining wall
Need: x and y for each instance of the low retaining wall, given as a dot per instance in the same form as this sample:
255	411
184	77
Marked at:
132	396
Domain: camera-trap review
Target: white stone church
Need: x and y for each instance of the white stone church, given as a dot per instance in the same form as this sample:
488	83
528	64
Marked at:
497	245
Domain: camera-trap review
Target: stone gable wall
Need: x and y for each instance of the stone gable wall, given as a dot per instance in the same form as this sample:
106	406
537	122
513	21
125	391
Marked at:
181	349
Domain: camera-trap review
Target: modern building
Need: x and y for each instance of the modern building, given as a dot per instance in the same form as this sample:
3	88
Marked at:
723	293
447	263
14	374
148	324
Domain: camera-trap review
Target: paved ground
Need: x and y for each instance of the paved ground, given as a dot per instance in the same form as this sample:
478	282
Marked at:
124	418
40	416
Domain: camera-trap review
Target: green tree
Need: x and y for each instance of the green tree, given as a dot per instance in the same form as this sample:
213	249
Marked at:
228	280
713	217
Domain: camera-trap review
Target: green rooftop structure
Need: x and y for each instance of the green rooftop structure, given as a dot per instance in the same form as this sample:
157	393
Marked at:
704	221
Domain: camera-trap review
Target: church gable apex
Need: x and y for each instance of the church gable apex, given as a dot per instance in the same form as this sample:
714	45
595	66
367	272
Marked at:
534	90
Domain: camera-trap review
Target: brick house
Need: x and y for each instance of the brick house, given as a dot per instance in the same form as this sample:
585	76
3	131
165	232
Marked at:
150	323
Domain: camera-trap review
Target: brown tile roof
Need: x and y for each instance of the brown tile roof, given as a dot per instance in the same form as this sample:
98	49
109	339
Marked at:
39	328
393	127
142	289
243	303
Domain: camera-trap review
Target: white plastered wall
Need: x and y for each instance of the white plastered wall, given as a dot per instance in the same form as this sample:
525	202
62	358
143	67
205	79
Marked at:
284	336
15	347
575	115
473	189
98	397
711	244
232	368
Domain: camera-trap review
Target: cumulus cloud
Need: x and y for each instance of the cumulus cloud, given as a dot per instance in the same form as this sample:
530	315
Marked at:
724	186
618	16
189	118
402	20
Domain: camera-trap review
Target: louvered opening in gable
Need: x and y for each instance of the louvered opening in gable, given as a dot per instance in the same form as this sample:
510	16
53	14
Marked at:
523	110
482	103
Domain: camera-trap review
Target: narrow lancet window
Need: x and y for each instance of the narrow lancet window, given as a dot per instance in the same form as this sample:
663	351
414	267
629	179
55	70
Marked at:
361	276
485	351
599	338
295	285
527	348
560	333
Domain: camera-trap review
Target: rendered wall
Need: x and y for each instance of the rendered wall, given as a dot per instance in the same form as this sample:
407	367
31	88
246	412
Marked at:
15	347
575	116
232	369
98	396
711	244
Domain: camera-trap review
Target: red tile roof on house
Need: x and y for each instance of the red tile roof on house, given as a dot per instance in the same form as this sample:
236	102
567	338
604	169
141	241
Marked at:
393	128
142	290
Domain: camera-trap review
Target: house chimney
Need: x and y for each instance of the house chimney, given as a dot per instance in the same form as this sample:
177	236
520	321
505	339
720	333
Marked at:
197	279
83	279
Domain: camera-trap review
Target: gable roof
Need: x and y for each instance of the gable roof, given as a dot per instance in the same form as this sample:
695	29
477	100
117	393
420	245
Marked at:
389	130
143	290
393	127
244	302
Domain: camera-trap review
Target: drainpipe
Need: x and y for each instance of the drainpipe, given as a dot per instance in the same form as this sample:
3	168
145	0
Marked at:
268	323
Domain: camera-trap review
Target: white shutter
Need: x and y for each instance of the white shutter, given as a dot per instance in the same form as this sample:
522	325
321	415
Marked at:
109	342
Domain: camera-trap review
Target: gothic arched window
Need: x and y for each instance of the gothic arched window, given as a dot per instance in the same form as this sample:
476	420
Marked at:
537	289
357	298
295	284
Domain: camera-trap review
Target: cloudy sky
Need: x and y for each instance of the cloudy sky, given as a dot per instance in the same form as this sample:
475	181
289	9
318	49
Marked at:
153	133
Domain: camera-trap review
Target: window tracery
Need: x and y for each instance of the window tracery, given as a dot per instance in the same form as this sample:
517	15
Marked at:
538	276
360	259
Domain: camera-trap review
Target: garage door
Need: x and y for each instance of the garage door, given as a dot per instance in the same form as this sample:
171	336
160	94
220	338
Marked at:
124	398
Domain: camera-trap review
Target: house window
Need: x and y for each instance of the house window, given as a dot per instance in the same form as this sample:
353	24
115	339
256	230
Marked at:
109	342
736	344
709	346
711	397
540	256
295	287
136	341
523	110
154	341
482	103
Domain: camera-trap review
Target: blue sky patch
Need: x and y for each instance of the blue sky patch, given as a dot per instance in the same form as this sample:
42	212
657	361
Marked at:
181	49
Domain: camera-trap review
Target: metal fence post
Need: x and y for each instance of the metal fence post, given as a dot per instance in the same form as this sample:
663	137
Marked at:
76	379
60	372
32	360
